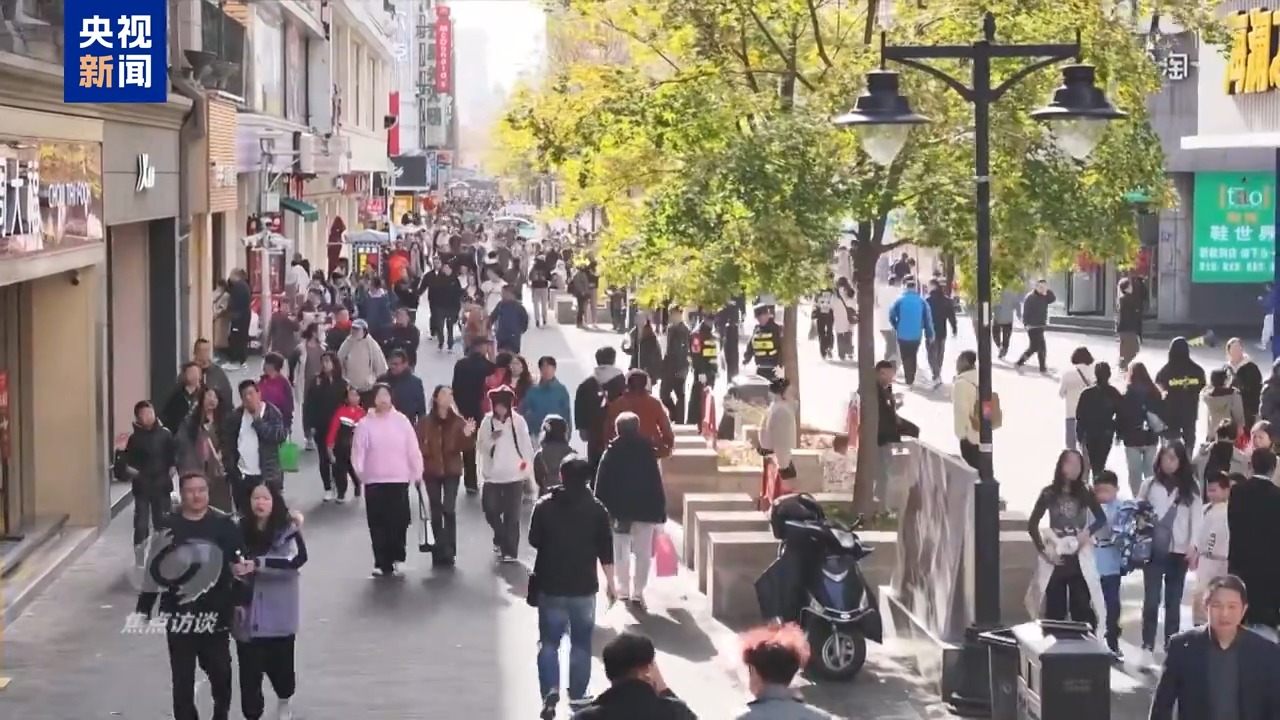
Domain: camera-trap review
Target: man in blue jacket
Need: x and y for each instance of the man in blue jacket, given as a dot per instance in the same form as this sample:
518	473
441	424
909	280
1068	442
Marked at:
509	321
407	393
913	322
548	397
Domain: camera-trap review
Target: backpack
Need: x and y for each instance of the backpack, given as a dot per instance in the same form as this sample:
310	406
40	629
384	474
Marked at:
997	415
1133	534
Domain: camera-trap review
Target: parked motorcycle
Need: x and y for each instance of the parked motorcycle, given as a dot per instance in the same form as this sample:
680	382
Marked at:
816	582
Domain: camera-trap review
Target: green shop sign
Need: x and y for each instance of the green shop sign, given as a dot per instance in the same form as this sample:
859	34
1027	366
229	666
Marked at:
1234	233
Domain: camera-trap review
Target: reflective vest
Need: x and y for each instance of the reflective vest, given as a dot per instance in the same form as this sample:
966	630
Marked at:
764	344
705	348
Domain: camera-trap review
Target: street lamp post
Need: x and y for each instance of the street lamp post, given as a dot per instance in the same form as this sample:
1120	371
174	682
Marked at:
1078	114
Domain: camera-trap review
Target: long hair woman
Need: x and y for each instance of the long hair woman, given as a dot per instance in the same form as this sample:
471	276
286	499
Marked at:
200	443
267	621
323	398
1175	500
500	377
387	459
1140	424
521	378
444	435
1074	518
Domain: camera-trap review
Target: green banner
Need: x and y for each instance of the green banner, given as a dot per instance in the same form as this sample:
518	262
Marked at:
1233	228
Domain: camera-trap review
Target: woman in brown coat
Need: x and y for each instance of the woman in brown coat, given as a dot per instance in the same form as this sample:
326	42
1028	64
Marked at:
444	435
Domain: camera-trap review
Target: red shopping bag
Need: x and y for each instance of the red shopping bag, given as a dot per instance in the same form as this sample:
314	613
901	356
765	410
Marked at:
665	562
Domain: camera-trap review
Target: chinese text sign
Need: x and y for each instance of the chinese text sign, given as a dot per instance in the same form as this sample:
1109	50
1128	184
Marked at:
1252	62
115	52
1234	234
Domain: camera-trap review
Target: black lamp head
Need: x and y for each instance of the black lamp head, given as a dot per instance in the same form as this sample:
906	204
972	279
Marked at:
1078	111
883	115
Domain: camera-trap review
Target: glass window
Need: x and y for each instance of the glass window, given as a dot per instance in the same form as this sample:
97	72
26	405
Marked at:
373	93
357	73
268	64
295	75
34	29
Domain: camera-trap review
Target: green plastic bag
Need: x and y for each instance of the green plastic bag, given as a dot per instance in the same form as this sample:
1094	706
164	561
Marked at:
289	455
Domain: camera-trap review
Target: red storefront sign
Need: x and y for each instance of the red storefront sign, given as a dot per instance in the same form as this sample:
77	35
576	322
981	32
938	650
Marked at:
4	417
393	133
444	50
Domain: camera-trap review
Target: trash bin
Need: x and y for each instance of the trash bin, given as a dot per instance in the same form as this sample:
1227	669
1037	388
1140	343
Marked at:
1004	662
744	389
1065	672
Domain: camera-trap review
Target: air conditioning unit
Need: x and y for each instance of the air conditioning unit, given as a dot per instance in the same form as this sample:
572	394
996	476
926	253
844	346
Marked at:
309	146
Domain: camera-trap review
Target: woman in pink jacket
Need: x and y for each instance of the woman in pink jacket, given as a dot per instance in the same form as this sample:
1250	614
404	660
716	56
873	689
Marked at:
387	458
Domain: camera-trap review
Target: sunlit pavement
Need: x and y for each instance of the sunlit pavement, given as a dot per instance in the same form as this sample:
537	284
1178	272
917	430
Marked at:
457	643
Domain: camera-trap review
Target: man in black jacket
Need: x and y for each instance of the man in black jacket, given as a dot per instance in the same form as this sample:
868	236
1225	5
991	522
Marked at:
149	460
239	312
1181	379
943	311
1128	323
403	336
1034	314
469	375
1220	670
407	394
190	568
675	365
591	400
637	690
570	531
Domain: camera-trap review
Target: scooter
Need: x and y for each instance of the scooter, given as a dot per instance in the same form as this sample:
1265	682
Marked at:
817	576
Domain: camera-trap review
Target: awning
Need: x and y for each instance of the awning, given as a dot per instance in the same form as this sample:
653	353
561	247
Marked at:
304	210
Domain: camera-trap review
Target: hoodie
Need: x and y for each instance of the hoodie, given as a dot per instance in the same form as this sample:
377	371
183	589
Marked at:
504	452
385	449
1007	307
1222	404
911	317
964	405
591	402
279	392
1181	379
545	398
362	359
943	312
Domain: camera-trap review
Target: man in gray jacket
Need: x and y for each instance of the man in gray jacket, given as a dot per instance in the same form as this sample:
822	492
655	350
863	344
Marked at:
1002	319
1034	315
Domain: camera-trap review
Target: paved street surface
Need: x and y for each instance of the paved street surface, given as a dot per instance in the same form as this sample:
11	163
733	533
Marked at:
436	644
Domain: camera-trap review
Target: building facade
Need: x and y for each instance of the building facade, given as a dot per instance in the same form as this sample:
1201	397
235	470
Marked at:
73	216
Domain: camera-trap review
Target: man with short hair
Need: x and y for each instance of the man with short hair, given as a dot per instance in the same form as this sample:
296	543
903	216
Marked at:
407	393
1034	314
196	613
509	320
210	372
1219	671
149	461
591	402
403	336
1253	521
571	534
252	437
774	655
636	686
547	397
629	485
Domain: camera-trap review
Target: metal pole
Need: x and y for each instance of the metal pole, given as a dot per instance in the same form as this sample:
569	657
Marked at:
986	500
391	201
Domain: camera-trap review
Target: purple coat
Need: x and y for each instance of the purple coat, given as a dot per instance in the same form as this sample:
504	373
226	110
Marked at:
277	391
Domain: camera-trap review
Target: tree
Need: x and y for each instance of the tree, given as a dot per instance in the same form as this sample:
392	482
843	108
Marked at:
714	155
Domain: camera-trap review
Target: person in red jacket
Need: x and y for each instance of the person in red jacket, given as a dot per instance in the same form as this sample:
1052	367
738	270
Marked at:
338	442
500	377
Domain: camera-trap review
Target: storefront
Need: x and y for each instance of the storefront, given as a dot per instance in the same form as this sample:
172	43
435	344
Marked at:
213	203
144	323
52	320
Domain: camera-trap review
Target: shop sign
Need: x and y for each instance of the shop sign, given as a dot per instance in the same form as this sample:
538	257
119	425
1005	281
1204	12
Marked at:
1175	66
51	197
1252	65
444	50
224	176
118	57
1233	230
146	173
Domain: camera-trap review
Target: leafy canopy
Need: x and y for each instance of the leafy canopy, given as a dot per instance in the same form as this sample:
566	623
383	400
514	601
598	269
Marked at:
702	128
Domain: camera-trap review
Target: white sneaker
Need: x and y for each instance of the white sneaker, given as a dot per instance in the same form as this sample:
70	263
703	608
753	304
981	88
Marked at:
311	444
397	569
284	709
330	496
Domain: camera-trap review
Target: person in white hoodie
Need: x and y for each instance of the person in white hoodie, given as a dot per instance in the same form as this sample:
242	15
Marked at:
362	359
1074	382
964	407
1212	542
886	296
1175	501
504	452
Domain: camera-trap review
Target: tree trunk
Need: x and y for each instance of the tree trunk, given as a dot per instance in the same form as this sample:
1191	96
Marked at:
791	357
865	255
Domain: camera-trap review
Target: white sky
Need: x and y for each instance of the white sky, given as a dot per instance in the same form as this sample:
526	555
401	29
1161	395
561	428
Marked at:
515	30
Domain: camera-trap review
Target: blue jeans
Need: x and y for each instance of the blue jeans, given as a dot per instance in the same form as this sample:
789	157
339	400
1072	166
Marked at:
1163	578
558	616
1070	427
1141	462
1111	599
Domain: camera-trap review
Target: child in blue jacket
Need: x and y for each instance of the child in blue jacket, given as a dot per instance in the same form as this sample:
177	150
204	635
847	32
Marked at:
546	397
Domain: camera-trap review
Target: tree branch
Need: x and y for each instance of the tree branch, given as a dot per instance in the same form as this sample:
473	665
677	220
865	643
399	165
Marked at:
646	43
817	35
777	48
744	57
869	27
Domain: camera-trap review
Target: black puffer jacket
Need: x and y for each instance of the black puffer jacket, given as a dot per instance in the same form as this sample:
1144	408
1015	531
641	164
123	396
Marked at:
629	481
635	700
150	453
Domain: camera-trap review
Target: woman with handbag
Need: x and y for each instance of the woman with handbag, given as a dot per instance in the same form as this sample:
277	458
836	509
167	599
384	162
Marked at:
1176	503
1139	425
1067	578
444	436
266	623
200	443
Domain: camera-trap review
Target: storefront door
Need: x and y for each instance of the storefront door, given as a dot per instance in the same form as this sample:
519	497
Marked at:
12	517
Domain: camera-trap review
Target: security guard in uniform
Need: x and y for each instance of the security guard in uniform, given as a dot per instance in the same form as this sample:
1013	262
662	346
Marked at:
727	321
704	360
765	345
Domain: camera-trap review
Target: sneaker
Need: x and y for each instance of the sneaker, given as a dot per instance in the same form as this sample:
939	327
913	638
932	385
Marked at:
579	704
284	709
311	444
497	550
341	499
473	491
509	559
329	495
549	704
397	569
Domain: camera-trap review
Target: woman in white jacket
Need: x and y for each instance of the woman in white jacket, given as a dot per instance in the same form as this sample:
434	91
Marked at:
1073	382
504	453
843	306
362	359
1175	501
